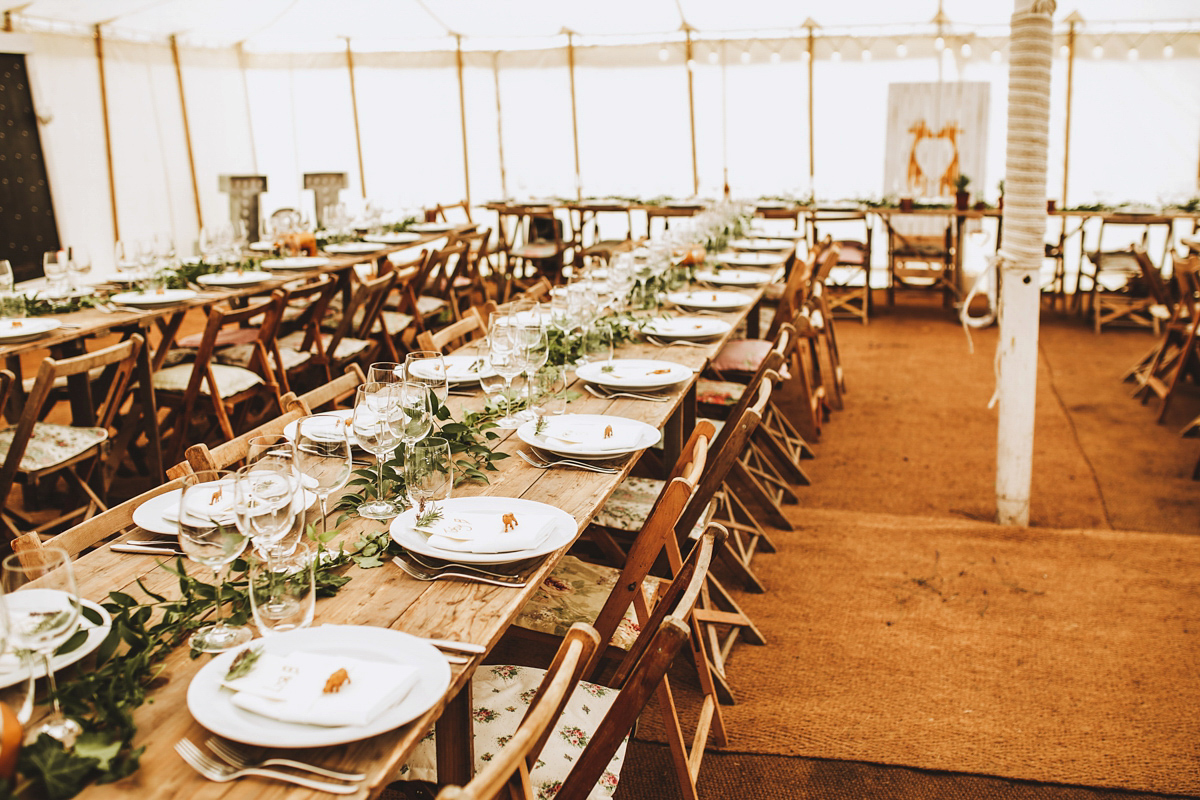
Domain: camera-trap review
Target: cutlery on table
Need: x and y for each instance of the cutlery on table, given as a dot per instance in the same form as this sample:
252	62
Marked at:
239	757
565	462
426	574
221	773
682	342
460	647
147	549
514	568
605	394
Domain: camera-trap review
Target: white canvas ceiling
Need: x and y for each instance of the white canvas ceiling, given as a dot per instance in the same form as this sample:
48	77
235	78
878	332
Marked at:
488	24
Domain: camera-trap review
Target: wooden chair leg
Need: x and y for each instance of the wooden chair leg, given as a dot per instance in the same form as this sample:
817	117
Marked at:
745	482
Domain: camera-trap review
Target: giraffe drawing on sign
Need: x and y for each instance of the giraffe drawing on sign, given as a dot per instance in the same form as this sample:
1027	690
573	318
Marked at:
933	162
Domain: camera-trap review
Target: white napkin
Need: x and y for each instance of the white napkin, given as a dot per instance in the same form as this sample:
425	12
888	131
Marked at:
467	368
291	688
213	503
592	435
483	531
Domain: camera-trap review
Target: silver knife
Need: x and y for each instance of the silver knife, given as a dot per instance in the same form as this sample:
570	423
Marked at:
458	647
146	550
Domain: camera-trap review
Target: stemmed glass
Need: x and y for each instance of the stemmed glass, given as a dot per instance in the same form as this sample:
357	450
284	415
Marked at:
375	434
428	367
12	304
264	501
54	267
43	612
79	266
209	534
411	413
506	359
323	457
125	258
278	451
430	473
534	348
385	372
7	281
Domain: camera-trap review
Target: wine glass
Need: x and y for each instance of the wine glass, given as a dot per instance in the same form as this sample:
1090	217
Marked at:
79	266
385	372
264	502
283	591
125	258
7	281
279	451
428	367
43	612
374	432
429	472
506	360
322	451
411	413
209	535
12	303
533	346
54	267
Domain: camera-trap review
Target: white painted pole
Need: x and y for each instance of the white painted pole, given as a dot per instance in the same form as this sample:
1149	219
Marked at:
1021	253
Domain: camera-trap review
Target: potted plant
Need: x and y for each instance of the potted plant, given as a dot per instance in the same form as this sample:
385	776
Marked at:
961	196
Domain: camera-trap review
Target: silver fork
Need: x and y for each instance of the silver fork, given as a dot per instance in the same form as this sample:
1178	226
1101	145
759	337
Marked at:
564	462
222	773
607	394
423	573
238	757
680	342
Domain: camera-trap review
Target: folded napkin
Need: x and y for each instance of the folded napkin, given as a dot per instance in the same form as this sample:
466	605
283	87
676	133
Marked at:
291	688
592	435
212	503
486	531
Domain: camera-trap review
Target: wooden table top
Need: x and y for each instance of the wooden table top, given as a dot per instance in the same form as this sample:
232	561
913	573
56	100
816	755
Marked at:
385	597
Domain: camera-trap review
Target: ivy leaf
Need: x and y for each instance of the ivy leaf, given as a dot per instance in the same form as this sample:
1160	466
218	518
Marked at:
74	643
91	615
61	774
100	747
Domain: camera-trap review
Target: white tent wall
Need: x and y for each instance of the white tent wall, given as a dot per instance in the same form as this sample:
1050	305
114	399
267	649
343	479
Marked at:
153	181
65	83
218	117
536	105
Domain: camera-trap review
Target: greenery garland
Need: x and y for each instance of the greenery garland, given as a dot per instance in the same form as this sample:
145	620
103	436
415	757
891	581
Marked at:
128	664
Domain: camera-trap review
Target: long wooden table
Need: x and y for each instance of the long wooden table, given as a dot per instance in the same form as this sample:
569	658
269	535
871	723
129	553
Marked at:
388	598
78	326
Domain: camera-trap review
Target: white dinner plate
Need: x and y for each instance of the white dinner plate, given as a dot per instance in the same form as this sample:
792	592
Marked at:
262	247
155	515
734	277
562	531
153	298
431	227
346	414
759	244
687	327
647	436
22	330
709	299
750	259
295	262
13	671
245	278
781	233
352	248
634	373
399	237
212	705
460	370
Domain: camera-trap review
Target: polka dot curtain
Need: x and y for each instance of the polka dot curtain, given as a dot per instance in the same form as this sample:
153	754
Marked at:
27	224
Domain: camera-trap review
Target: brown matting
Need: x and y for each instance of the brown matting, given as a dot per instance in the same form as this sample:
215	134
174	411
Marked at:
1063	656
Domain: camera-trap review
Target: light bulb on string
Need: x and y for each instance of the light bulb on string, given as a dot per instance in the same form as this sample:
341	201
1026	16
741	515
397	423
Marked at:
836	55
1064	51
1168	51
1133	54
663	54
997	56
746	56
901	50
939	43
1098	51
712	56
691	64
965	49
775	57
866	54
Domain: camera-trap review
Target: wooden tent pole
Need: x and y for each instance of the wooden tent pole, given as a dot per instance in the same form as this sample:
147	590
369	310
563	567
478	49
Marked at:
187	132
362	174
499	122
462	115
112	185
574	115
691	110
812	158
1072	20
241	53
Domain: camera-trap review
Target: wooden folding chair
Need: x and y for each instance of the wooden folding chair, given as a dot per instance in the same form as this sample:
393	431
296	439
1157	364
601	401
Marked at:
920	254
333	394
359	336
454	335
86	535
205	389
230	454
471	284
298	347
849	280
1128	289
507	775
36	452
586	751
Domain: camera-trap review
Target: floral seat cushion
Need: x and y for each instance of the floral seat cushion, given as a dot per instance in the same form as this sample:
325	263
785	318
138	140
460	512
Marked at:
501	696
52	444
536	250
428	305
239	355
629	506
718	393
575	592
230	380
224	337
394	320
741	355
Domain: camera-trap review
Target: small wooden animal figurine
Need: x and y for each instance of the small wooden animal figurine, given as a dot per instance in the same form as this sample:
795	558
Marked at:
510	522
608	432
334	684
